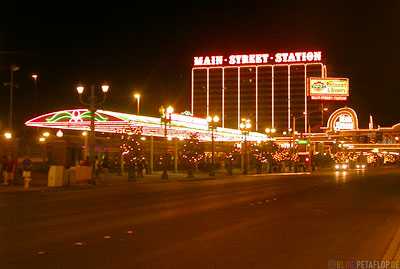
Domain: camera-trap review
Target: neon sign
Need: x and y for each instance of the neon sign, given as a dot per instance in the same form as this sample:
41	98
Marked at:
343	119
265	58
344	122
75	116
328	88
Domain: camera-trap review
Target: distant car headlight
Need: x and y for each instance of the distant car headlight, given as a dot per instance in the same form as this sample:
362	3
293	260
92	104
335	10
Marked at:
344	166
363	166
357	166
337	166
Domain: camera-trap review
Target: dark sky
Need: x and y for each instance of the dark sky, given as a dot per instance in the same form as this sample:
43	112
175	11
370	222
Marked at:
151	47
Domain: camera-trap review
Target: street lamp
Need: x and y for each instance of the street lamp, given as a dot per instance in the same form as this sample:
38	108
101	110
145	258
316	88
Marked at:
166	119
13	69
301	116
304	114
137	96
34	76
85	145
92	103
245	127
212	124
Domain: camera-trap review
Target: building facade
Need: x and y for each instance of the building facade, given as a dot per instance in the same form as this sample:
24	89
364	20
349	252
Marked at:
270	90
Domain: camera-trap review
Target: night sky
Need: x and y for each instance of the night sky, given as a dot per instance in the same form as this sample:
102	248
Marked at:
149	48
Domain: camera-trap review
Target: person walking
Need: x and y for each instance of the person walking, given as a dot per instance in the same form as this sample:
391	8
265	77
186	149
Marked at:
96	167
106	166
10	170
27	171
4	170
139	167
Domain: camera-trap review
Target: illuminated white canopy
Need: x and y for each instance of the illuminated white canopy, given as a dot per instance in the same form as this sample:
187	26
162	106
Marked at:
181	126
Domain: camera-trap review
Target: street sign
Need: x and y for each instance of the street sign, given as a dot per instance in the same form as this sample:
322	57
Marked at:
302	142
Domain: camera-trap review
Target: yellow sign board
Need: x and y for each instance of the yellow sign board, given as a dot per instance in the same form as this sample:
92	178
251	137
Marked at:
328	88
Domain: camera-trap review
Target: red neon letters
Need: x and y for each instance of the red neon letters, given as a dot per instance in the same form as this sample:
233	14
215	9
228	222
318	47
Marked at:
286	57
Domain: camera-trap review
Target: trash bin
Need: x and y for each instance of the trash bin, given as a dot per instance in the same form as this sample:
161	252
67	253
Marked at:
71	173
69	177
55	176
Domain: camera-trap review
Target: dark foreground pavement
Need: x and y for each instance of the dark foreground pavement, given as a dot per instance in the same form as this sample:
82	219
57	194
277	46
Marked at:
272	221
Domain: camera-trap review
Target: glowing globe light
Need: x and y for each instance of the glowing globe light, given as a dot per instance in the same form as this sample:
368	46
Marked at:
8	135
59	133
105	88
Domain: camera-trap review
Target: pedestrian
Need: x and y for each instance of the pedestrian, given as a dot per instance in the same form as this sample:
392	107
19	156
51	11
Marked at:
106	166
139	168
10	170
96	167
4	170
147	166
27	171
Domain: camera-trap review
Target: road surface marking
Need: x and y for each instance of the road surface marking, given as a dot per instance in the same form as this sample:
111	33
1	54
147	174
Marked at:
393	251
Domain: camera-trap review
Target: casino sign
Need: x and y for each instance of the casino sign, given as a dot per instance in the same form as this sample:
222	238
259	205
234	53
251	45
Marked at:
343	119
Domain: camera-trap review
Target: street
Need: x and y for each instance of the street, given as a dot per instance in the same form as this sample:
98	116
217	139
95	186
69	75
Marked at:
254	221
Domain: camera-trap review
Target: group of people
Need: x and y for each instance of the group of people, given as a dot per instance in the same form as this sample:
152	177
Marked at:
8	166
101	166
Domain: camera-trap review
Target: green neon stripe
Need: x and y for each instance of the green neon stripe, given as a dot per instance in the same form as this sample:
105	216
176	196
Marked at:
97	116
59	116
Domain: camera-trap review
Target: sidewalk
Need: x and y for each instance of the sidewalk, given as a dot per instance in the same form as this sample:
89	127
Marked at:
39	181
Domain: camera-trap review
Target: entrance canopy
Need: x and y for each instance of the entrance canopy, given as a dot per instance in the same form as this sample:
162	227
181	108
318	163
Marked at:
181	126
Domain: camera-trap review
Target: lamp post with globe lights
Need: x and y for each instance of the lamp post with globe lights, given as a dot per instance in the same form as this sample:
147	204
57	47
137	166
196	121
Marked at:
212	125
92	104
270	131
245	127
165	119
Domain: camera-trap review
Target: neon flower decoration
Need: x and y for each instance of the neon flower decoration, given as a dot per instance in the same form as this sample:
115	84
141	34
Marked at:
182	126
75	116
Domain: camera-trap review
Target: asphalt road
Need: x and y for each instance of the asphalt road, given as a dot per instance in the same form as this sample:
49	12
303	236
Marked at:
284	221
